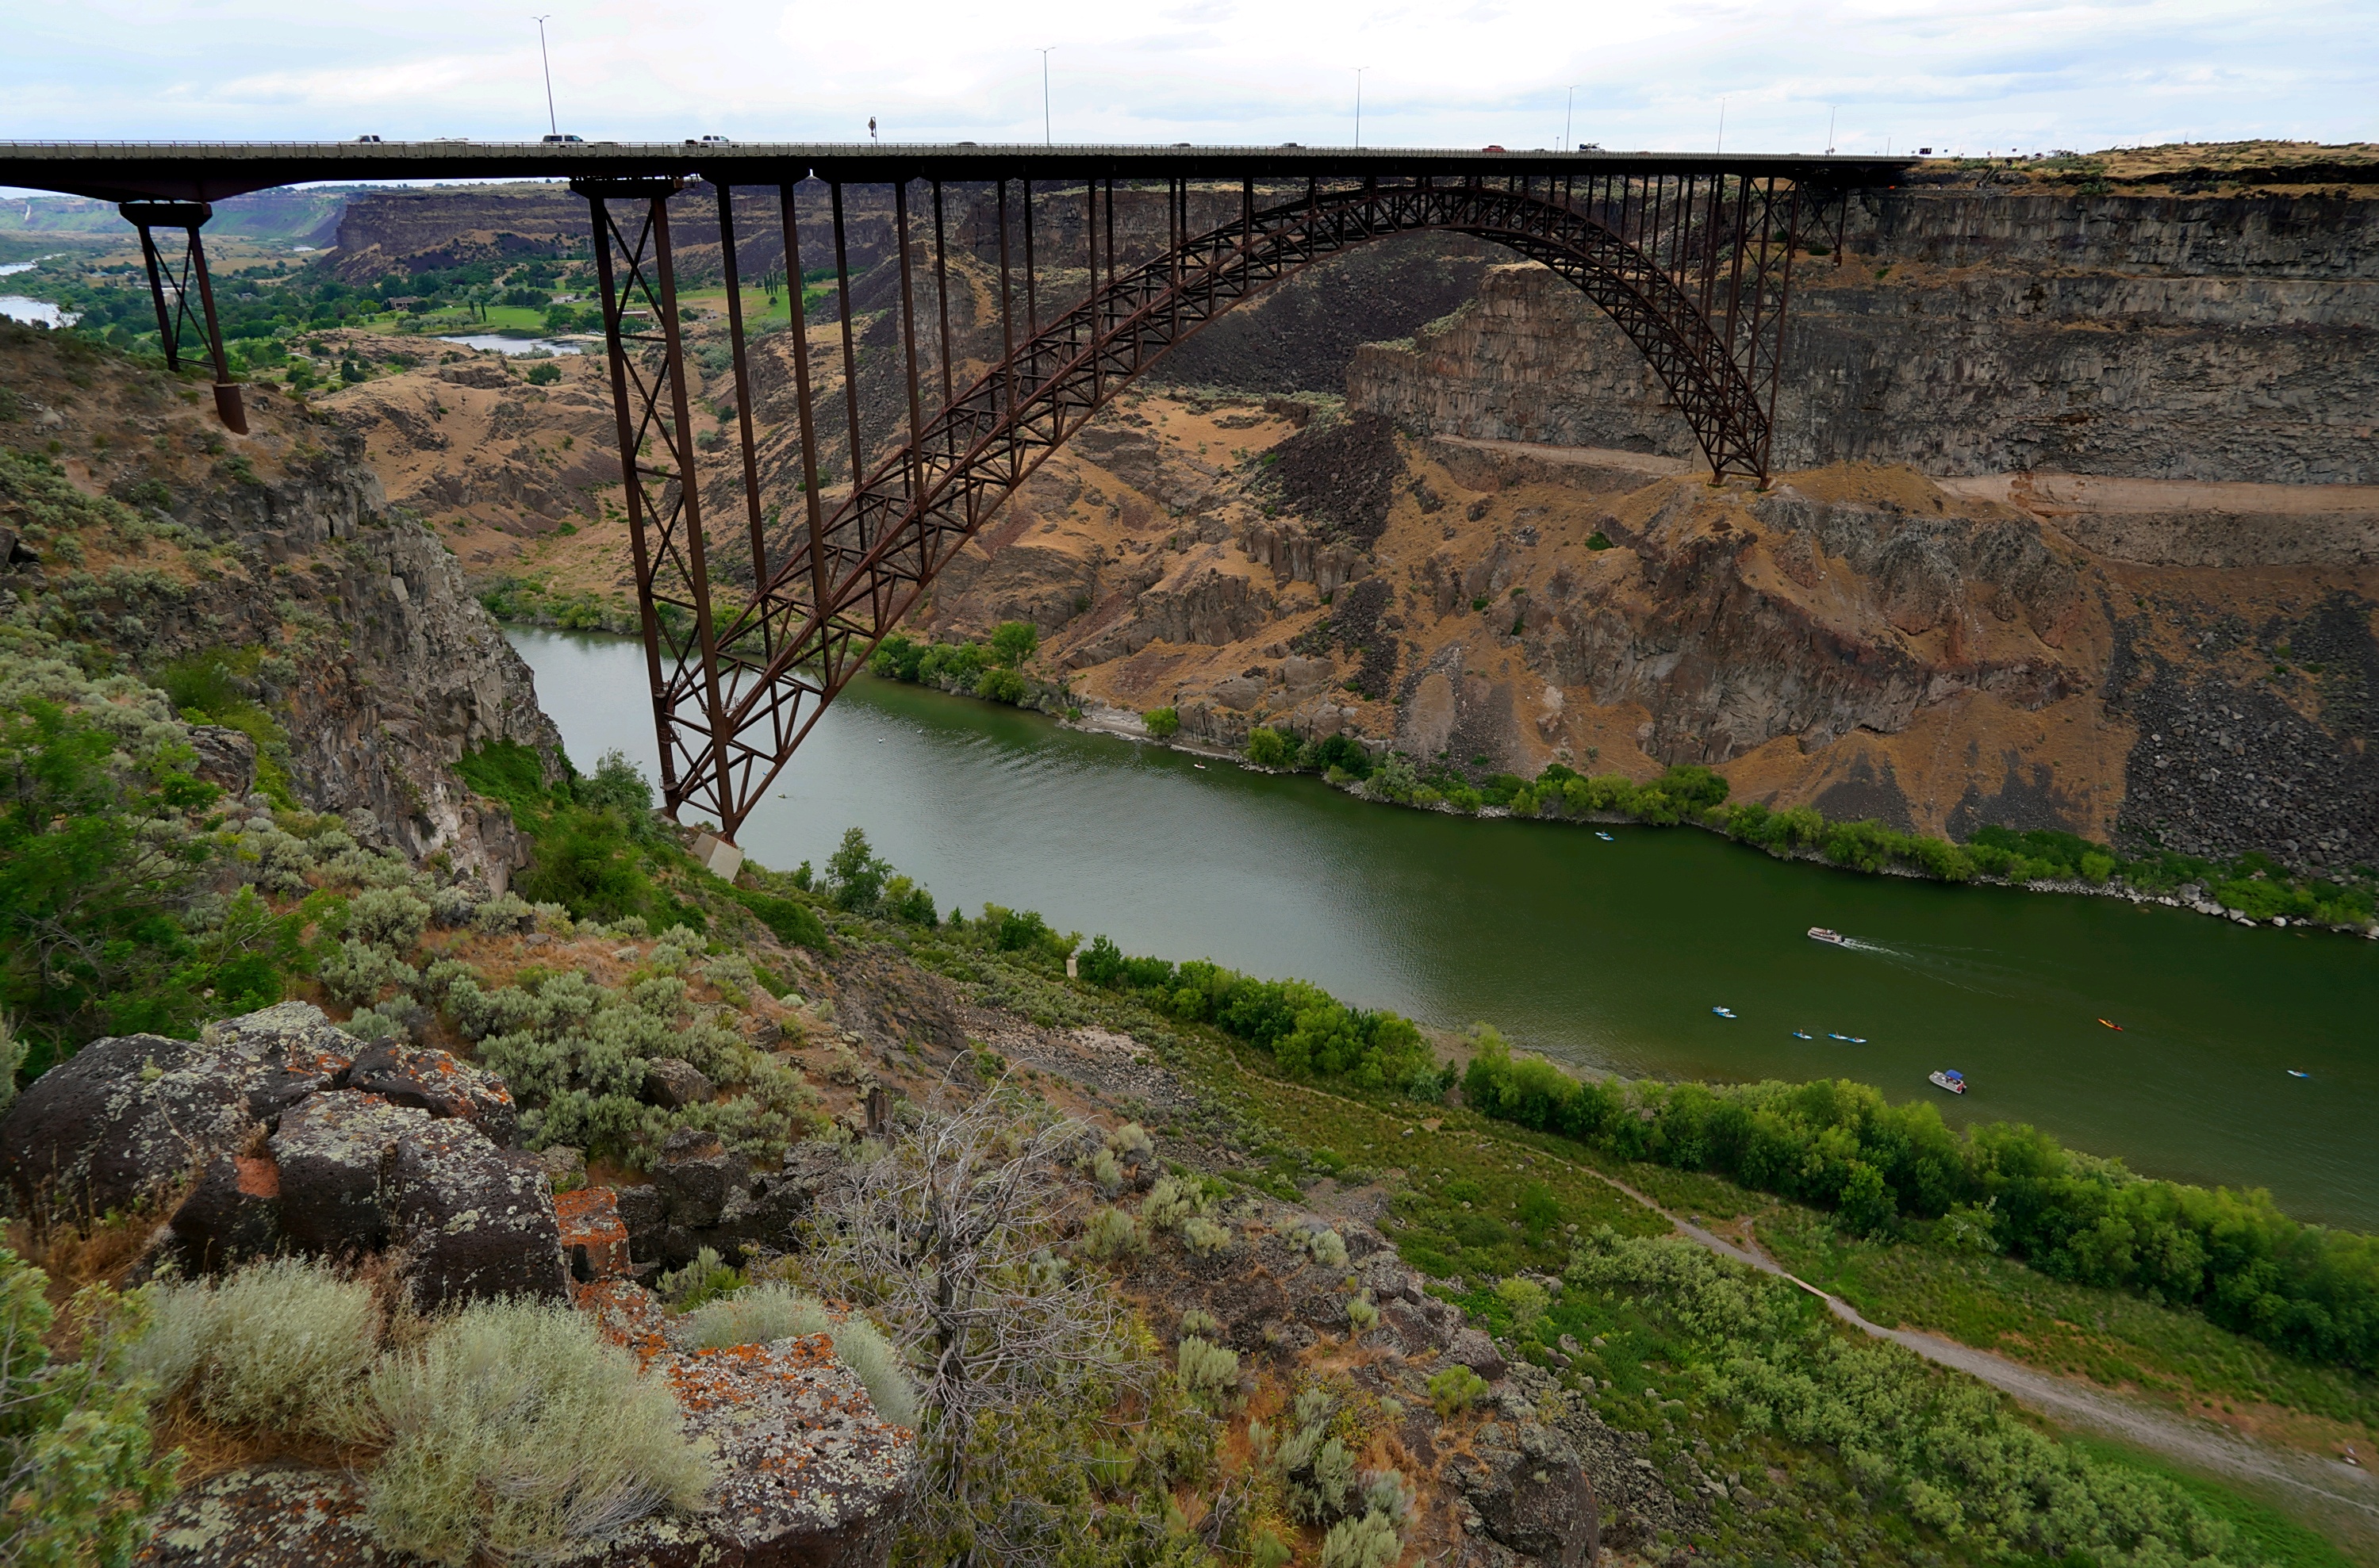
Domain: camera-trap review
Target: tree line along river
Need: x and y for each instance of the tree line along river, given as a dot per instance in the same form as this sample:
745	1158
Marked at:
1608	954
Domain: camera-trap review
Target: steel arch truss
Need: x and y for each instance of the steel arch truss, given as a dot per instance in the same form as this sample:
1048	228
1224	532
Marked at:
1696	270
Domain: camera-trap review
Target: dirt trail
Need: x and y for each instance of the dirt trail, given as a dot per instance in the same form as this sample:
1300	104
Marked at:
2339	1497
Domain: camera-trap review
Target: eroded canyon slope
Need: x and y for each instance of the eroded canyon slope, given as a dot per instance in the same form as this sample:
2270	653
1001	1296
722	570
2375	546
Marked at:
320	638
2078	524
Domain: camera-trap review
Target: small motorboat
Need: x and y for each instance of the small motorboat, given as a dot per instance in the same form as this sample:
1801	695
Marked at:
1803	1034
1825	933
1950	1078
1723	1012
1604	836
2112	1024
1199	766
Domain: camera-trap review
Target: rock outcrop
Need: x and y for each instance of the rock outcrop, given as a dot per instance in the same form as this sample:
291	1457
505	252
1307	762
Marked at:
269	1137
807	1474
275	555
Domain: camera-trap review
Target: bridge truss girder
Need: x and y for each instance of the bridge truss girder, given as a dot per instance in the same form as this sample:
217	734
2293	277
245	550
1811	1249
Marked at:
1695	267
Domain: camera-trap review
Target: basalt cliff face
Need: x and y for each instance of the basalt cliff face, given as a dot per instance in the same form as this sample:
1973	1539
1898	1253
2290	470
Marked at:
135	521
2077	520
1969	331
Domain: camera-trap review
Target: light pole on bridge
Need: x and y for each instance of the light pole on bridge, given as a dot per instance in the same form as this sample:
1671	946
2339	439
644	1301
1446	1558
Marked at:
552	124
1046	140
1358	103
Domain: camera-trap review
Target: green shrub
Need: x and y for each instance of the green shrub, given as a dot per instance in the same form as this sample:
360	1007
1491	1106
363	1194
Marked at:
1012	643
1268	747
1966	1465
1001	686
1206	1369
78	1478
515	1431
1454	1390
1368	1541
1162	723
281	1346
705	1278
756	1315
861	1345
1204	1237
2310	1291
793	922
1112	1234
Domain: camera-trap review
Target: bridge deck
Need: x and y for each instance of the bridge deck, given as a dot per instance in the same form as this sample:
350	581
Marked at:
210	170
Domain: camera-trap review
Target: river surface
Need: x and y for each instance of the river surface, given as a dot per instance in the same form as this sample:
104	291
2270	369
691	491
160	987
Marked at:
1609	954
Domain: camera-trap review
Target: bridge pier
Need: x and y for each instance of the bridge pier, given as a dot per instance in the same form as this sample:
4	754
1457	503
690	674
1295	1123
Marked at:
178	278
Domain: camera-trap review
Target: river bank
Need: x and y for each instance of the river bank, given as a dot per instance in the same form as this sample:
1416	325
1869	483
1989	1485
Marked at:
1606	955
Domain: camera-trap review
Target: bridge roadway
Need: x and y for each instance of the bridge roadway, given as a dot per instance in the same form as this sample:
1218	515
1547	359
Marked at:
210	171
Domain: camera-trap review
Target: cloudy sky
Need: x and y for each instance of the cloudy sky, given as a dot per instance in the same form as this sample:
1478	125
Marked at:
1966	75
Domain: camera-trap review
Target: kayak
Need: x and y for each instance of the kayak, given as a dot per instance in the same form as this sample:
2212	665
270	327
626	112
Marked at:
1605	838
1848	1039
1950	1078
1803	1034
2111	1024
1723	1012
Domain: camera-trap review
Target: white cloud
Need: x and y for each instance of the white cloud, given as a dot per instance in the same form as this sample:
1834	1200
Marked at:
1976	74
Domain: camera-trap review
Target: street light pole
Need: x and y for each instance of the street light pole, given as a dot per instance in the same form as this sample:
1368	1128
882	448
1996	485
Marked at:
1046	140
551	124
1358	103
1568	109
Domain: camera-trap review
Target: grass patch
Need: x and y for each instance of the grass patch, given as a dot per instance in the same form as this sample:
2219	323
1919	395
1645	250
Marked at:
2109	1336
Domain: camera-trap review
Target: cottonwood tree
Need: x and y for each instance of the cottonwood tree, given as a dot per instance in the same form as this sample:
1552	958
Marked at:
948	1235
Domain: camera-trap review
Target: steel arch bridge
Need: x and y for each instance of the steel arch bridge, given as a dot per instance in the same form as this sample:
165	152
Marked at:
1690	256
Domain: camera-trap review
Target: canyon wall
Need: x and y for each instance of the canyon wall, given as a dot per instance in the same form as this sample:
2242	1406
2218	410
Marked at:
147	530
1977	330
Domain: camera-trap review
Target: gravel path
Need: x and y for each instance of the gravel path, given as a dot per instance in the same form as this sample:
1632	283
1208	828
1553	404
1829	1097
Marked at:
2343	1497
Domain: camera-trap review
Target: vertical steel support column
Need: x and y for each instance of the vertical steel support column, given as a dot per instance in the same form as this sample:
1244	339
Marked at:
850	356
189	217
942	291
1776	355
1031	290
800	325
1006	308
743	383
632	476
909	346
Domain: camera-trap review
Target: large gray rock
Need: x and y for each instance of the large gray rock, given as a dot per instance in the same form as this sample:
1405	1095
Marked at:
694	1173
473	1224
439	1082
128	1116
671	1083
333	1152
1531	1494
1476	1351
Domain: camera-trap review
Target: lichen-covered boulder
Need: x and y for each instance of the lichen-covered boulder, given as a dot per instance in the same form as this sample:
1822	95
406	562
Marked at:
128	1116
332	1152
670	1083
439	1082
694	1173
231	1217
277	1515
1476	1351
594	1237
809	1475
472	1222
1530	1493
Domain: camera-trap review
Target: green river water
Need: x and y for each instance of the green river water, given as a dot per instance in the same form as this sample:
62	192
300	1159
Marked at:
1610	954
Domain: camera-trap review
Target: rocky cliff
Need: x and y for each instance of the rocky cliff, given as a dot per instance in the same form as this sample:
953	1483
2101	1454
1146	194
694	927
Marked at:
1976	330
268	569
